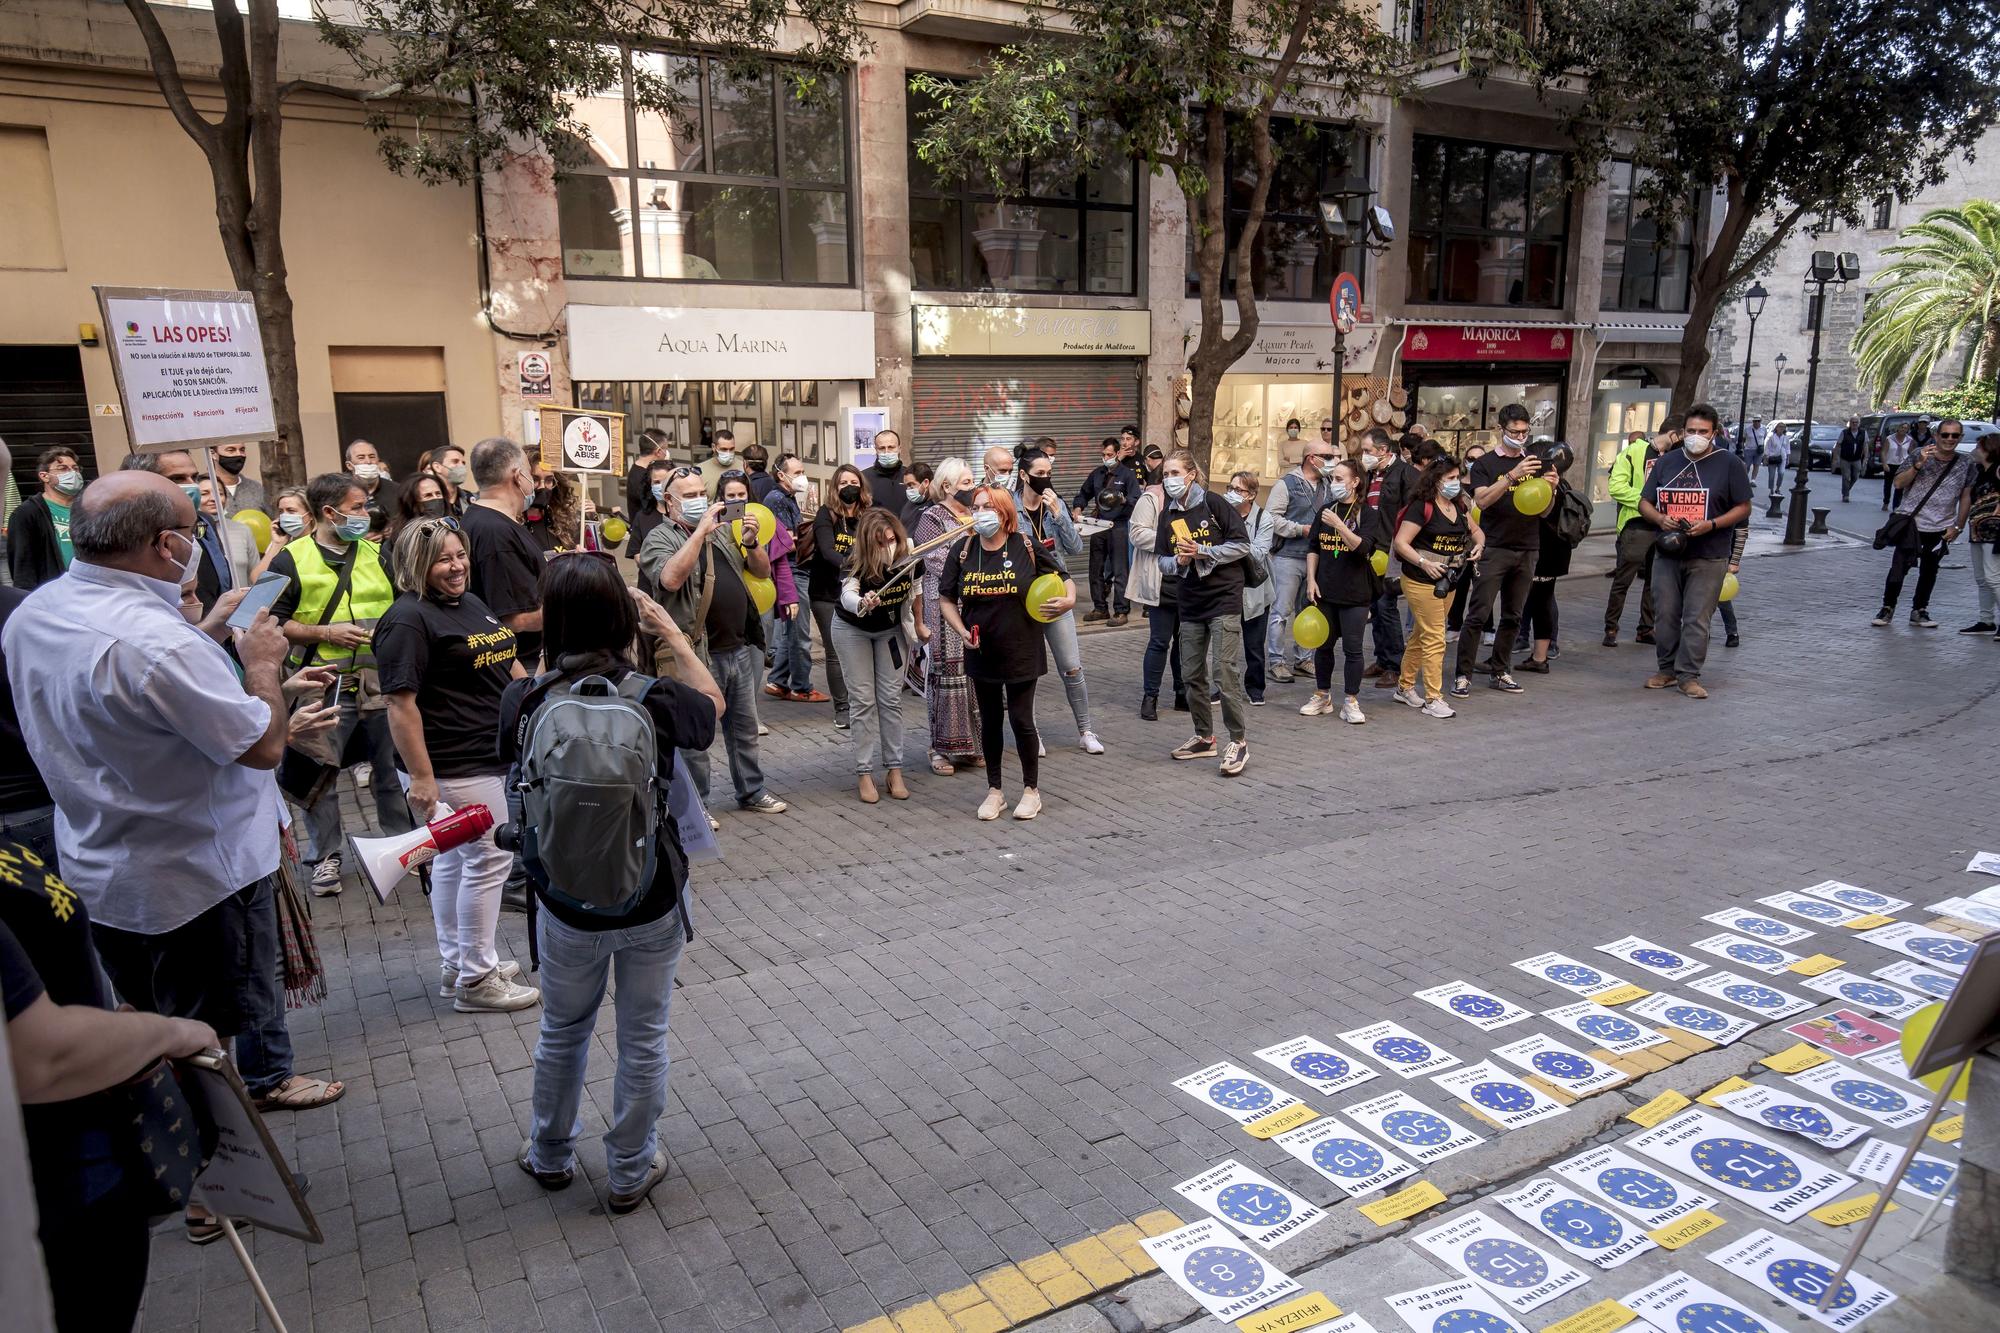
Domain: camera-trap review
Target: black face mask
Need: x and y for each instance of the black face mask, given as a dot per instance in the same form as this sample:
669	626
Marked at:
1153	471
1040	484
964	497
434	508
233	466
544	494
849	494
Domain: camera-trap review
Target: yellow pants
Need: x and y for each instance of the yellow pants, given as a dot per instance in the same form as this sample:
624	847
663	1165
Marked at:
1425	650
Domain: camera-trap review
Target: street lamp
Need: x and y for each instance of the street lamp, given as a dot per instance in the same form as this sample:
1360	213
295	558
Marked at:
1778	385
1373	233
1826	267
1753	305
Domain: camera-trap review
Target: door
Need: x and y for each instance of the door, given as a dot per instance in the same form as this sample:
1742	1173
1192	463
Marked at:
1618	413
964	405
401	426
42	403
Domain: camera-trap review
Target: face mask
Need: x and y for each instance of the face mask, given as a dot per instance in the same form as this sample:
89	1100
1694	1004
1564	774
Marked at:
457	474
352	527
69	483
1338	491
193	561
985	522
293	524
233	466
849	494
365	472
544	494
964	497
434	509
915	493
799	484
193	493
692	510
1176	486
1450	489
1005	480
1040	484
1291	432
888	460
1369	462
659	489
726	457
1238	498
1696	445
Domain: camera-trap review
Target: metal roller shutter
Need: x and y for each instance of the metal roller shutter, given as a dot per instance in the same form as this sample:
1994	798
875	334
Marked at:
964	405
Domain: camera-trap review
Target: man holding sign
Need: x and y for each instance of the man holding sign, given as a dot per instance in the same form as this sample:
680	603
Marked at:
1694	496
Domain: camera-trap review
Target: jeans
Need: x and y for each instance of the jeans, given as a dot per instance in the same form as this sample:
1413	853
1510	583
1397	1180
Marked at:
466	883
1425	654
1509	573
1068	653
1163	626
1986	577
1001	704
1345	624
1214	646
836	683
264	1052
1728	610
1254	631
1775	468
875	701
221	967
1685	595
1110	563
1635	560
34	829
575	966
1850	472
1388	623
1538	613
1288	587
1926	553
791	651
391	811
736	671
1890	495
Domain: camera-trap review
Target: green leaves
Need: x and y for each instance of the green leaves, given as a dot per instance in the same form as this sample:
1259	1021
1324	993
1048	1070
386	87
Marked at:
1937	299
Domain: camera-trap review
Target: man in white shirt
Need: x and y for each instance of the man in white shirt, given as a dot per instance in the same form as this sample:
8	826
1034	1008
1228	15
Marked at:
1896	449
157	758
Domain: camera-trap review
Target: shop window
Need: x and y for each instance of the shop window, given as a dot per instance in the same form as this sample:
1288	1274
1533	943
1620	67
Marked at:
1879	221
747	182
1489	225
1646	267
1290	259
1067	231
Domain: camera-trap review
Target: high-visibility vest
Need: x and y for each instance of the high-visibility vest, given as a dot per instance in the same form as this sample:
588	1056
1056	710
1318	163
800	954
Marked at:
369	594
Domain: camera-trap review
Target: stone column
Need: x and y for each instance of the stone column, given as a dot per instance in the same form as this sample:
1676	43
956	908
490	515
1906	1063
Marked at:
882	162
1166	297
524	259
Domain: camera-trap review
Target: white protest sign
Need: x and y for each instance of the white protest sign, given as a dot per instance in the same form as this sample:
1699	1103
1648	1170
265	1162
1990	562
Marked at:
1522	1275
1967	909
1758	926
1572	1071
1767	1002
246	1179
1500	1096
1609	1029
1483	1009
1863	1094
189	367
1243	1096
1704	1022
1741	1165
1792	1114
1850	895
1927	1174
1345	1156
1266	1212
1413	1127
1314	1064
1916	976
1866	992
1933	948
1812	909
1688	1305
1644	953
1406	1054
1889	1061
1453	1307
1566	972
1347	1323
1990	895
1212	1266
1588	1230
1768	958
1645	1193
1801	1279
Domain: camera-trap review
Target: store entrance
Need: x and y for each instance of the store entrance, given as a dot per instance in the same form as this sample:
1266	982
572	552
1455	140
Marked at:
785	416
1460	404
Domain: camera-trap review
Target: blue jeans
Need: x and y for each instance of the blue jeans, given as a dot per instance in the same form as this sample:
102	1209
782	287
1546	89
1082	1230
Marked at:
575	966
1068	652
737	672
1288	585
1388	632
791	651
264	1053
34	829
875	694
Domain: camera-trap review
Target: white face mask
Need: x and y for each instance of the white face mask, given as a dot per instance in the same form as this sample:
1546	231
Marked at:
1238	498
726	457
193	561
913	493
367	472
1696	445
1338	491
887	459
800	484
985	522
1369	462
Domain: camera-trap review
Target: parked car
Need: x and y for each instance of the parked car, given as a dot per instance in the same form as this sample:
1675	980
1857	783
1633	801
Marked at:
1879	424
1824	439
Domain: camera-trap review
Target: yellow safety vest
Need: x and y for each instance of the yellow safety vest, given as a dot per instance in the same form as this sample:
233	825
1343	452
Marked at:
369	593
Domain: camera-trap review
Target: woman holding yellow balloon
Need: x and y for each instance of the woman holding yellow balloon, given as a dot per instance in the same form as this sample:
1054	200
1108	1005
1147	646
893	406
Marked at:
995	593
871	634
1341	546
752	526
291	516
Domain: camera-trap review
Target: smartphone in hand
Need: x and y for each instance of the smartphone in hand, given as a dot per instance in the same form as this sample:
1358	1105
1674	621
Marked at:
263	594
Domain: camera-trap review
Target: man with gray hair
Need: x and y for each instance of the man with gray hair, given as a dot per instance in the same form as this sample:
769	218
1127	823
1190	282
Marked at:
506	563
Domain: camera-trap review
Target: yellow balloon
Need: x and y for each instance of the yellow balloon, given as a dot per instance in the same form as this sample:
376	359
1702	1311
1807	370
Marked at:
1534	495
1916	1031
1730	587
259	524
1309	627
764	524
1379	562
615	530
1046	588
1474	510
763	593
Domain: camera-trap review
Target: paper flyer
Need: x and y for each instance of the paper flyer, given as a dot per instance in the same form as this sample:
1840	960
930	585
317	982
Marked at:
1877	996
1812	909
1919	977
1239	1093
1948	953
1983	863
1850	895
1767	1002
1588	1230
1800	1278
1672	965
1572	1071
1412	1127
1265	1212
1654	1199
1483	1009
1864	1094
1844	1032
1704	1022
1611	1030
1454	1307
1750	1169
1212	1266
1500	1096
1345	1156
1522	1275
1889	1062
1316	1065
1405	1053
1790	1113
1926	1176
1753	954
1965	909
1566	972
1686	1304
1758	926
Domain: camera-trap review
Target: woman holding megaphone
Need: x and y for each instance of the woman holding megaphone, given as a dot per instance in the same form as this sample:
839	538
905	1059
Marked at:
992	595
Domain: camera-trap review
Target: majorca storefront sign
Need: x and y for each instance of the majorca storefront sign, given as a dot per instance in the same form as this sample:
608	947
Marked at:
1487	342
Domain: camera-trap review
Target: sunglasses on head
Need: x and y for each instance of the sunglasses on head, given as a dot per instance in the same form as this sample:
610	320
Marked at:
445	521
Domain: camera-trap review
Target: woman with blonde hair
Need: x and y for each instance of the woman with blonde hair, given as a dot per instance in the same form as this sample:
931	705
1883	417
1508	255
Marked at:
871	638
291	516
947	693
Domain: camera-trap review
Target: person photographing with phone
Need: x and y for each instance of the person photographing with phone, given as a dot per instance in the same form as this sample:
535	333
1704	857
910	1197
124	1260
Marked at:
1935	487
1506	569
1694	496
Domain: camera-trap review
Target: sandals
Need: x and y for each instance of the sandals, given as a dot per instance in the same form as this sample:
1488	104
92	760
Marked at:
942	766
299	1093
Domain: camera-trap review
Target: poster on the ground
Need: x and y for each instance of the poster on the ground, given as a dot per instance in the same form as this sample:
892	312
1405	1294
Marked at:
1211	1265
1587	1230
1561	970
1405	1053
1683	1302
1864	1094
1925	1177
1845	1032
1933	948
1452	1307
1919	977
1481	1008
1648	1195
1500	1097
1877	996
1611	1030
189	366
1753	954
1853	895
1811	908
1699	1019
1758	926
1241	1095
1521	1274
1669	963
1767	1002
1345	1156
1966	909
1801	1279
1572	1071
1790	1113
1750	1169
1265	1212
1414	1128
1315	1064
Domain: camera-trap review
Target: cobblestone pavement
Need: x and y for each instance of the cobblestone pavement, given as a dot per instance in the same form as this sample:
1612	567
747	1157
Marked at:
910	1047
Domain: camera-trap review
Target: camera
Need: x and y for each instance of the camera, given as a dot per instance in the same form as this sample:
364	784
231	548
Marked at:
1454	574
1672	541
507	837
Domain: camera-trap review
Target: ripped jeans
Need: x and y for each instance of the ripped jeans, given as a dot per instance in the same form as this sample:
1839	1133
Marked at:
1068	652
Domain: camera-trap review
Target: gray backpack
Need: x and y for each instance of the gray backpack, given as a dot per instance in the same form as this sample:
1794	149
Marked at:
590	788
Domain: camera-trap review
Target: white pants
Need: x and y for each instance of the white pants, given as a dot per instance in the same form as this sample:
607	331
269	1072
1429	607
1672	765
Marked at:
466	883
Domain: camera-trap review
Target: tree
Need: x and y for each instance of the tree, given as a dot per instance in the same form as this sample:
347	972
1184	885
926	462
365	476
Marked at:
1939	293
1785	108
1175	85
459	80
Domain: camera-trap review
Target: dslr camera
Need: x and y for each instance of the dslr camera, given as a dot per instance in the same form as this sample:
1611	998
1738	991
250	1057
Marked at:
1454	574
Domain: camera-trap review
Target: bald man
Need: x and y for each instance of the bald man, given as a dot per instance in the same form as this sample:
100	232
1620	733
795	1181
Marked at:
999	462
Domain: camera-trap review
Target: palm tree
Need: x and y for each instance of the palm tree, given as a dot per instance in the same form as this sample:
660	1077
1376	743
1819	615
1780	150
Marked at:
1939	295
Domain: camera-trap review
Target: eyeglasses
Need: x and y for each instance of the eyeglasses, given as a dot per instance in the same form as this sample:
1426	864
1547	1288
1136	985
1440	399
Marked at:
1320	458
1951	435
445	521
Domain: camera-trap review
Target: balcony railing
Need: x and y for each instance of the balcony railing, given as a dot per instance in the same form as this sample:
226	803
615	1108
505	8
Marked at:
1438	26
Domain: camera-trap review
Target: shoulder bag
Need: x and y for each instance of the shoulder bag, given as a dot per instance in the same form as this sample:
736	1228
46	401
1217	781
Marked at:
304	775
1901	529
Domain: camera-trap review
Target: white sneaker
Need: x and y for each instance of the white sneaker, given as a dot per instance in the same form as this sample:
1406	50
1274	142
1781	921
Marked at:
1439	708
1030	805
364	773
1317	705
326	877
495	994
1041	749
995	802
1406	695
448	977
1234	756
1089	744
1350	712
